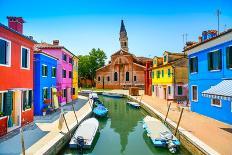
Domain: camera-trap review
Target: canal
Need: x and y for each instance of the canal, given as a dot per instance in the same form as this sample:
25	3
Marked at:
122	133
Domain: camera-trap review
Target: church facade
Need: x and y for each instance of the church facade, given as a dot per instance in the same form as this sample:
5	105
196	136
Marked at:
124	70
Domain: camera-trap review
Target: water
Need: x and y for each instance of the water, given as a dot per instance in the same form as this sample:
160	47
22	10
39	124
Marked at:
122	133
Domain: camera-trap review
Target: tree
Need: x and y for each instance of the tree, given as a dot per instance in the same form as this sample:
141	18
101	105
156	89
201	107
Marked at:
88	64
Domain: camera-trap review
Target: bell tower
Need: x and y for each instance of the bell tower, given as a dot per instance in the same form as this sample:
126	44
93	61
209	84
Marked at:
123	37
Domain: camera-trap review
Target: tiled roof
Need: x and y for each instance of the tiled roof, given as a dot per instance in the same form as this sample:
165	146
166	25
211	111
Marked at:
41	52
12	30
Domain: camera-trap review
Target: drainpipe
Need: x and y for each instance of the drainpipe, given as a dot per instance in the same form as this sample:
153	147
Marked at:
174	82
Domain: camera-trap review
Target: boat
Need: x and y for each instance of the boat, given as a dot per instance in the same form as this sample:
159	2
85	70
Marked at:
85	92
134	104
97	102
84	135
116	95
159	134
100	111
93	96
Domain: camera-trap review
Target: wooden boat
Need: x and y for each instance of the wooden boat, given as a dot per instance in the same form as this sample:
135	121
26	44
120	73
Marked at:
116	95
100	111
134	104
159	134
85	133
93	96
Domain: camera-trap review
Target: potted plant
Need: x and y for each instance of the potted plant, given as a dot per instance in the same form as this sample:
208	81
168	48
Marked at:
1	114
44	111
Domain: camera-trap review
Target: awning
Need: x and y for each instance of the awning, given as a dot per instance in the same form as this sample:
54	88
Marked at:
222	90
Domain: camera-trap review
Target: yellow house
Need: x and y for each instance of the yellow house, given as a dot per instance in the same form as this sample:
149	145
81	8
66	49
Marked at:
170	76
75	78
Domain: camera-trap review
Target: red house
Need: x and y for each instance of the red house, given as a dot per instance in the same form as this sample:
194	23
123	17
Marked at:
148	78
16	76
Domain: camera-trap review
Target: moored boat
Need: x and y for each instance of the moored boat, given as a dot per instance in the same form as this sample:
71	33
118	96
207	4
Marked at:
134	104
116	95
100	110
93	96
159	134
85	133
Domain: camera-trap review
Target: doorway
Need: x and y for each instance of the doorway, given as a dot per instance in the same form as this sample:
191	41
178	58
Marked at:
165	93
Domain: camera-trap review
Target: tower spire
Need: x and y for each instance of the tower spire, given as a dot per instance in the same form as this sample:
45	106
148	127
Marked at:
123	37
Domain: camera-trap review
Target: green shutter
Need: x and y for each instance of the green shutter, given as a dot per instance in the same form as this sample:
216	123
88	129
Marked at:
196	64
229	57
8	103
3	50
209	61
191	65
180	90
162	73
219	59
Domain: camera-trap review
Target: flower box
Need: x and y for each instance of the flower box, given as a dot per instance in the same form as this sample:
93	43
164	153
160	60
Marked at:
3	125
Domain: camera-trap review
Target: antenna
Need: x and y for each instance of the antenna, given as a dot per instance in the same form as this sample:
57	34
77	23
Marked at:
218	18
186	37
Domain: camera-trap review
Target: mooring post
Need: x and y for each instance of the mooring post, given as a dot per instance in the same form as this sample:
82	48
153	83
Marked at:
22	141
75	113
167	112
67	126
179	121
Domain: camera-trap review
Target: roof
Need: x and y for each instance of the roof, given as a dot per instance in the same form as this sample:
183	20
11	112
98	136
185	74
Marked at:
208	40
44	45
173	53
218	93
13	31
41	52
170	63
122	29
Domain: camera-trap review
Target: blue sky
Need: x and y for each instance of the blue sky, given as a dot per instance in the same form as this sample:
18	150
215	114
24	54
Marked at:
153	26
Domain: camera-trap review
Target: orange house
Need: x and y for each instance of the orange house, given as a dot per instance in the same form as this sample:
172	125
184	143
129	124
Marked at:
16	76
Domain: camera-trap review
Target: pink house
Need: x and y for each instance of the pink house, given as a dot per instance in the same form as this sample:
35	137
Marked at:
64	69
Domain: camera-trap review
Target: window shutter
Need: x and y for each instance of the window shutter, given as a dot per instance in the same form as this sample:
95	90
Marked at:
209	61
196	64
191	65
229	57
8	103
30	99
3	50
219	59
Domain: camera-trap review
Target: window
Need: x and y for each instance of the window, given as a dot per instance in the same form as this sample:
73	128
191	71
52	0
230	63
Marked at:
64	57
53	71
108	78
193	64
135	78
44	70
45	93
64	73
2	102
27	99
127	76
215	60
5	52
73	91
158	74
229	57
115	76
162	73
64	93
154	61
216	102
169	72
70	74
165	58
99	78
70	60
194	93
169	90
180	90
153	88
25	58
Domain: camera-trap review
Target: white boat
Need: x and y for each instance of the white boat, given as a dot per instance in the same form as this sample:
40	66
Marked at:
116	95
134	104
93	96
85	133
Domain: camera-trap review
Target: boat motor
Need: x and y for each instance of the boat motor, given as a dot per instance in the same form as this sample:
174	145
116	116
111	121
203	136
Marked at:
80	142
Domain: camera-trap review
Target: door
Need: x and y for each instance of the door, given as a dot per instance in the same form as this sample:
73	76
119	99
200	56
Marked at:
16	114
165	93
51	97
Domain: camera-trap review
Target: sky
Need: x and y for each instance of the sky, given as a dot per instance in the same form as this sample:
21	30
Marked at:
153	26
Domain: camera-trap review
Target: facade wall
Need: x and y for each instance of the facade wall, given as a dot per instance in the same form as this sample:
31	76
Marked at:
75	78
41	82
205	79
62	83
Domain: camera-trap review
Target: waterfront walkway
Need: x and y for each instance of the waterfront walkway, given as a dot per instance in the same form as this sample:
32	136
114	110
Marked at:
215	134
43	133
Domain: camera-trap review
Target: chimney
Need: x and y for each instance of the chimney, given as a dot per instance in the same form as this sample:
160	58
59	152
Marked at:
30	37
199	39
16	23
56	42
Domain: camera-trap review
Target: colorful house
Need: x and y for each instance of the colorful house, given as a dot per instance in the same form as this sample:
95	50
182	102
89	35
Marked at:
210	75
64	69
16	76
45	97
75	78
148	79
170	77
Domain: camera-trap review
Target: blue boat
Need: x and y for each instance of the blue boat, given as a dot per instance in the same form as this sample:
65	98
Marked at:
98	102
100	110
134	104
159	134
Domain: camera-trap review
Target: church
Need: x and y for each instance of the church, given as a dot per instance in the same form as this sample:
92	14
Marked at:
124	69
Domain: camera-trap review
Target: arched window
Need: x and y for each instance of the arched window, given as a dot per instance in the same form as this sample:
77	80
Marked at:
115	76
99	78
127	76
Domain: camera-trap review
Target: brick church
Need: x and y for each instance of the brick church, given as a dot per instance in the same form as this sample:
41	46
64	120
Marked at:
124	70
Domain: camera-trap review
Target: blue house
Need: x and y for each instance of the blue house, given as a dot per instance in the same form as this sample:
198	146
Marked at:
45	82
210	75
